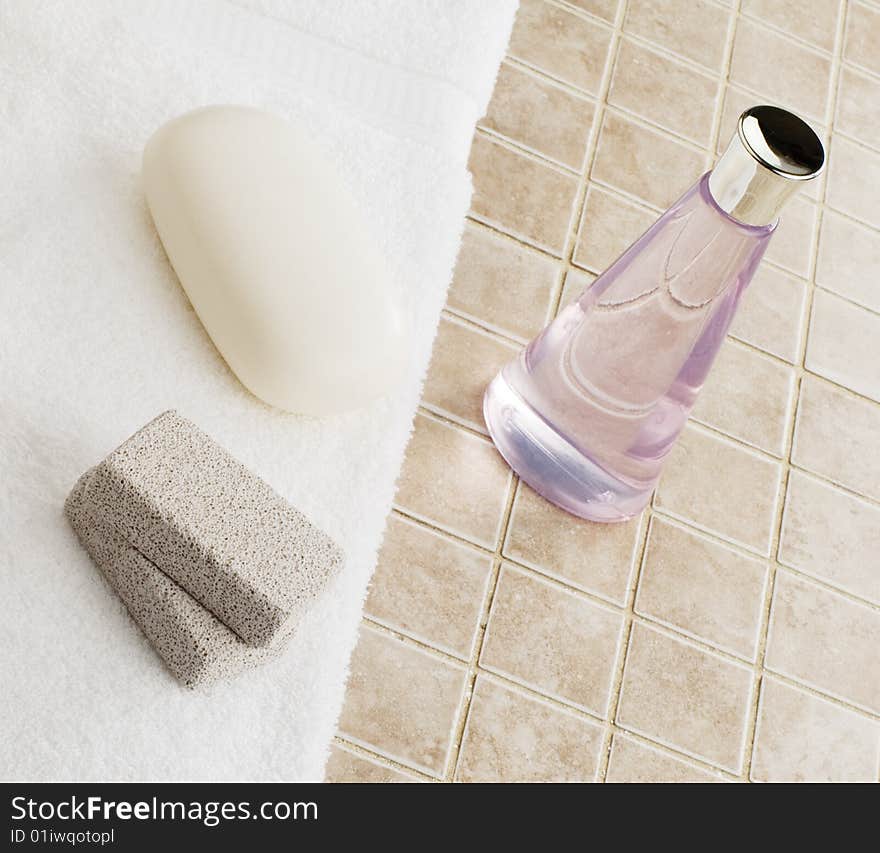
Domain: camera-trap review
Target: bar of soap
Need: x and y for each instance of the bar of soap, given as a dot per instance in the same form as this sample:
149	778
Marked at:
214	527
196	646
275	258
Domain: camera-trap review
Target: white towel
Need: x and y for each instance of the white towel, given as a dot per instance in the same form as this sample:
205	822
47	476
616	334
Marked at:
97	337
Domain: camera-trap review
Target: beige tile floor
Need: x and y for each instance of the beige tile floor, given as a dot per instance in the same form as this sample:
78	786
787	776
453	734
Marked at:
733	632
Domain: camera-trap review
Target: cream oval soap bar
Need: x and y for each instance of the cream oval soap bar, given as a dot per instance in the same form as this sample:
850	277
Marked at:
275	258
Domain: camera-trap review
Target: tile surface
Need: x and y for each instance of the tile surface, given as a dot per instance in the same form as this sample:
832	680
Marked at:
552	640
802	738
703	589
347	766
401	702
429	586
531	645
705	698
513	737
824	640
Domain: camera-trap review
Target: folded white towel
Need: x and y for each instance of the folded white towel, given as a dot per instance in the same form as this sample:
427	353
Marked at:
96	338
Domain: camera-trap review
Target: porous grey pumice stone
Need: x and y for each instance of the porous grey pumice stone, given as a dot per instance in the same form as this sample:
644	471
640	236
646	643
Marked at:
197	647
214	527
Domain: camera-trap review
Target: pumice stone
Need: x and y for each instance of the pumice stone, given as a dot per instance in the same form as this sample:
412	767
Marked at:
196	646
275	258
214	527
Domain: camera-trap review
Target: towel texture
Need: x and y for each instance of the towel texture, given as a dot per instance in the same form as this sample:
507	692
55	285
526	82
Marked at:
97	336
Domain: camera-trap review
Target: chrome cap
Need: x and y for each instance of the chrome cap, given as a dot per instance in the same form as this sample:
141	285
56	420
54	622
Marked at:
772	153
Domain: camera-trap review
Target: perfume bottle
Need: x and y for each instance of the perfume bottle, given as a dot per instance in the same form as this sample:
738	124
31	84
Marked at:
589	411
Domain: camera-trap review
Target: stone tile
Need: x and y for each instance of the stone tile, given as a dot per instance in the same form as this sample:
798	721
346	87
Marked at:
402	702
836	437
695	29
429	587
574	284
853	178
802	738
605	9
502	284
792	244
521	196
540	115
862	36
560	43
758	56
665	92
597	558
463	362
849	259
749	396
633	761
552	640
858	106
841	343
814	21
771	313
684	697
703	589
454	480
722	488
825	641
610	224
347	766
831	535
643	162
512	737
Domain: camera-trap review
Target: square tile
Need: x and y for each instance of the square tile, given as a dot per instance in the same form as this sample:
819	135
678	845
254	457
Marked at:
771	313
849	259
520	195
758	56
344	765
463	362
842	339
749	396
695	29
853	178
402	702
814	21
663	91
540	115
644	162
455	480
633	761
609	226
429	587
862	36
836	437
831	535
720	487
575	283
596	558
512	737
825	641
561	44
858	106
686	698
552	640
792	245
802	738
502	284
703	589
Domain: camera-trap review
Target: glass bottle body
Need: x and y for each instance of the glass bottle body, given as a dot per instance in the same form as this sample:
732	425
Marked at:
588	412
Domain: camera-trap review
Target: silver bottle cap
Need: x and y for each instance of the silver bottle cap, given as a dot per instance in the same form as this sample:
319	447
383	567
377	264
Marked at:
771	154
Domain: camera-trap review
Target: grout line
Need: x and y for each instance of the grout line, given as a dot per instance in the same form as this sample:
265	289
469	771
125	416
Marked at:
464	712
384	760
752	720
